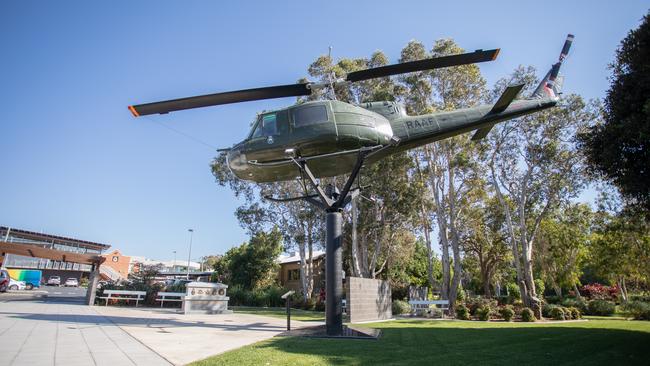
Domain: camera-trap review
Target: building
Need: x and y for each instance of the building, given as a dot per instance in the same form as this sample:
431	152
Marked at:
289	275
116	266
173	266
62	268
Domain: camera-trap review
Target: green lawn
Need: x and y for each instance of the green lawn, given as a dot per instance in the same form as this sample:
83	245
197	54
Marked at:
296	314
416	342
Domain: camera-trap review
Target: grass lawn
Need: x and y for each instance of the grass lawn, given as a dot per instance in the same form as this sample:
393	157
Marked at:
420	342
296	314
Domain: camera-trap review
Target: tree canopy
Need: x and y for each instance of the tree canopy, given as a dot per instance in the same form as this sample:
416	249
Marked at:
618	148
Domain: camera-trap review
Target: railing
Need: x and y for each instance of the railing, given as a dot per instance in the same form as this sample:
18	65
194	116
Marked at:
109	272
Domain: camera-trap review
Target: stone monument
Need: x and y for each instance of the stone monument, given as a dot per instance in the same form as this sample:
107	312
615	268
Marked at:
206	298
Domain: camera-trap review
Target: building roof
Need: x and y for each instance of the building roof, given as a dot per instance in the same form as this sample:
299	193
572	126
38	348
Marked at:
168	264
47	237
295	257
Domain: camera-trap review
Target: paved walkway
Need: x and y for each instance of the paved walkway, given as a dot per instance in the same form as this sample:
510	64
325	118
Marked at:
49	332
185	338
60	331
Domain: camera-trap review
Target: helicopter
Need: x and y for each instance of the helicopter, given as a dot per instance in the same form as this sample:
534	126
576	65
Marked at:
328	135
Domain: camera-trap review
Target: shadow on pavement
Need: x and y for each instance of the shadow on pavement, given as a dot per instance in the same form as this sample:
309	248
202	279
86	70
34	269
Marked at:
142	322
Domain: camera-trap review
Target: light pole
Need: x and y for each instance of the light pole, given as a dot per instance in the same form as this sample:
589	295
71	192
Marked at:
174	262
189	255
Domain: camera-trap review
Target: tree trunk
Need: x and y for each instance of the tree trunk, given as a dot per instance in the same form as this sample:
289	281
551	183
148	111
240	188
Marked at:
485	278
356	270
577	291
514	244
426	228
622	288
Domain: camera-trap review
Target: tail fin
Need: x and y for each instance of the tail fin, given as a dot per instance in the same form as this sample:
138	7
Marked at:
551	85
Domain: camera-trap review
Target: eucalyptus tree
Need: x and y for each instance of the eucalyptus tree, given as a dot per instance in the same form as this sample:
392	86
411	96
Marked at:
534	167
563	246
620	248
381	216
299	223
417	100
450	167
484	241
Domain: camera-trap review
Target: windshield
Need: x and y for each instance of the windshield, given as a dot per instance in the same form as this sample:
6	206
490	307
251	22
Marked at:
271	124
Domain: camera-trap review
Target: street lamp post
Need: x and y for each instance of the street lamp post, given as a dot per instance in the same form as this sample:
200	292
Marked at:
174	262
189	255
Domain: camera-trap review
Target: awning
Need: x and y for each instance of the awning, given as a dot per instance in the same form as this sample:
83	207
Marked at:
35	251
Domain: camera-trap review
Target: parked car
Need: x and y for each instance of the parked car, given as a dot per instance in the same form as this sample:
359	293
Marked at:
16	285
71	282
4	280
54	281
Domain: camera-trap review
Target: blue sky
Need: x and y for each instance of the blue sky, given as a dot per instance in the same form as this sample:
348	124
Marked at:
75	163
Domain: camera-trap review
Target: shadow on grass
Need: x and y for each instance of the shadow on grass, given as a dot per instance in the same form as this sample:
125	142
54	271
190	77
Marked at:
413	344
279	312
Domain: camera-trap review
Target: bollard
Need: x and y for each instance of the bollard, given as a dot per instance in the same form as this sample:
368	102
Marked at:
287	297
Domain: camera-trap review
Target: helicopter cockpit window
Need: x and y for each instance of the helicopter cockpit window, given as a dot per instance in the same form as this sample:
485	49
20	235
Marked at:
272	124
305	116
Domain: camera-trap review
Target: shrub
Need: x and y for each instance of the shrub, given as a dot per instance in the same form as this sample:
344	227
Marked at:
575	303
320	306
401	307
503	300
507	313
527	315
274	294
597	291
150	289
435	313
475	303
461	295
264	297
600	307
637	310
462	312
513	291
643	297
552	299
547	309
179	287
575	312
483	313
557	313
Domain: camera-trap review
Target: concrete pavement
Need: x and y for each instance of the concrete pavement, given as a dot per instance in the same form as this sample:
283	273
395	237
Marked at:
50	330
45	331
185	338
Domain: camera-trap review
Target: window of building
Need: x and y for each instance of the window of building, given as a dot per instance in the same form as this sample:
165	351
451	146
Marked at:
293	274
309	115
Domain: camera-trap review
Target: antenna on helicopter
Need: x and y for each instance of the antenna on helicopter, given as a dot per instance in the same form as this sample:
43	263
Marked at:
329	74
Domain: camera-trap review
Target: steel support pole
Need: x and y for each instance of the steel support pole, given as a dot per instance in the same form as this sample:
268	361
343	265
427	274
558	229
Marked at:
334	274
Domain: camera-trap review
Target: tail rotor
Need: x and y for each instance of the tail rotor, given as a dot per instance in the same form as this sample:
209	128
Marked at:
551	86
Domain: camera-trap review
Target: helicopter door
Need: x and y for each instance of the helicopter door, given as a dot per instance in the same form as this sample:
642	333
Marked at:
269	138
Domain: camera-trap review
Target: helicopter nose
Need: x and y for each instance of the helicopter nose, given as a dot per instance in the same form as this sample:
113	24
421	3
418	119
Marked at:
237	163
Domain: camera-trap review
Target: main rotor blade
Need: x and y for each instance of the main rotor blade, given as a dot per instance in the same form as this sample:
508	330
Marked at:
280	91
426	64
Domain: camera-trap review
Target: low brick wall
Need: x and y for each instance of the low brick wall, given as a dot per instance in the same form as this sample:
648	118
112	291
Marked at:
368	299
